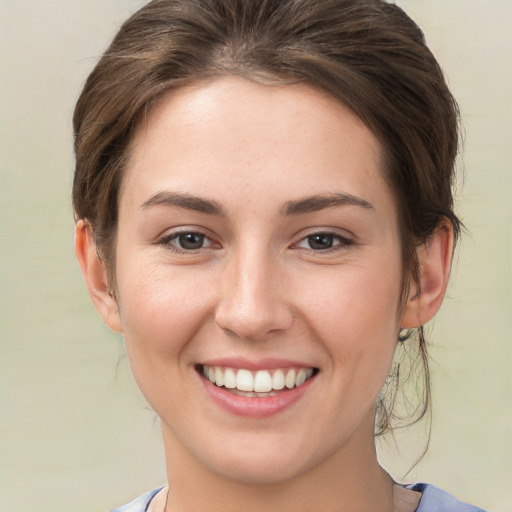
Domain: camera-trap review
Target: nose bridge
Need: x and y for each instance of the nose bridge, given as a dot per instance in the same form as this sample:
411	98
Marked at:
252	304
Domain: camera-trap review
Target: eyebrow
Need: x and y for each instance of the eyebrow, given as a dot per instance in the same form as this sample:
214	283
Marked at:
185	201
320	202
295	207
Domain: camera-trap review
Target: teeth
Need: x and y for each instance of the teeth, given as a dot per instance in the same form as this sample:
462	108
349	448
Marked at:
219	377
278	379
301	377
260	383
230	378
289	380
244	380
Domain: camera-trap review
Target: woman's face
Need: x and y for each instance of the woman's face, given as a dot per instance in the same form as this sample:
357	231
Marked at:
258	245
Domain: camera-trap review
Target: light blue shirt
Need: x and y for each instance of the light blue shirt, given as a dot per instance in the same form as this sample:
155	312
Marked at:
432	500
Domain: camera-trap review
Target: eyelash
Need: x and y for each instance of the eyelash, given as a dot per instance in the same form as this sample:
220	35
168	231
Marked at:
167	240
343	242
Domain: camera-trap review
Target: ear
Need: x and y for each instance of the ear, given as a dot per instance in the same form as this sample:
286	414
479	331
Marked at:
434	258
95	275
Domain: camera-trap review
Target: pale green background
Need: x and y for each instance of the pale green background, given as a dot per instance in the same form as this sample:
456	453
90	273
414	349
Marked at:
75	435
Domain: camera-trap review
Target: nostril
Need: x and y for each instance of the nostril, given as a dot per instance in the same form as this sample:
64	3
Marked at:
251	308
256	327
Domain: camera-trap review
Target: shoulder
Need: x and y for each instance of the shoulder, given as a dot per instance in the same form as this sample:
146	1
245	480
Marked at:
436	500
139	504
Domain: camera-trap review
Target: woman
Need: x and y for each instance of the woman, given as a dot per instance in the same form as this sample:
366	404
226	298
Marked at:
264	210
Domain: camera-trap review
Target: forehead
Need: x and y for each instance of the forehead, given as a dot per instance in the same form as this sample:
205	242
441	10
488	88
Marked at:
238	106
236	134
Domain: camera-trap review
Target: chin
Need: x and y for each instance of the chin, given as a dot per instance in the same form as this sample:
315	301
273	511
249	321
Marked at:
258	463
271	471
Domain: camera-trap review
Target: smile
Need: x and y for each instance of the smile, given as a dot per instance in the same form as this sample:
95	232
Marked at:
261	383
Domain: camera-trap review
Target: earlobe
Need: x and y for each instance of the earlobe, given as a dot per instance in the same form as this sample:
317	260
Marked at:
94	272
434	258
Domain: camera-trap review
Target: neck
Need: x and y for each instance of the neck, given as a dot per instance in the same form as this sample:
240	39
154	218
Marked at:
350	480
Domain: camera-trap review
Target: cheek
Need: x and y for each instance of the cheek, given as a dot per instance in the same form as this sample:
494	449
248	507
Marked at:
355	313
160	311
360	296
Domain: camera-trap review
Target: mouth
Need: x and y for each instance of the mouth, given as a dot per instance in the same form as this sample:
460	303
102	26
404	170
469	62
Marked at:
261	383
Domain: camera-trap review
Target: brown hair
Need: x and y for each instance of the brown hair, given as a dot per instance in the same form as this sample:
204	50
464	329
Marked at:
367	53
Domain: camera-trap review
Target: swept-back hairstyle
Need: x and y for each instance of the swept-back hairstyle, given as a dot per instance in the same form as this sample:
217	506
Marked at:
366	53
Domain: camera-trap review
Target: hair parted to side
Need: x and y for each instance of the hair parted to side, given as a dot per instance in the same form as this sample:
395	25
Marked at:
366	53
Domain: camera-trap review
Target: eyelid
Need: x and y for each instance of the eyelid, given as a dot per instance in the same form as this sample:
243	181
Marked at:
344	240
166	239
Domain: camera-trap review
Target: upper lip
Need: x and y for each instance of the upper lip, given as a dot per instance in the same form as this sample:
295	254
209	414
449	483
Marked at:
268	363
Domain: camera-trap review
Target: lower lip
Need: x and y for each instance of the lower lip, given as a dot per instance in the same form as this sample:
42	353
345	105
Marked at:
255	407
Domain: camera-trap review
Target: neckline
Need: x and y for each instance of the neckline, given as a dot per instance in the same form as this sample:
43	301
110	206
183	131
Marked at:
401	502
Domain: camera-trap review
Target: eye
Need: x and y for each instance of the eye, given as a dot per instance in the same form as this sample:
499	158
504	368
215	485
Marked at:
186	241
323	241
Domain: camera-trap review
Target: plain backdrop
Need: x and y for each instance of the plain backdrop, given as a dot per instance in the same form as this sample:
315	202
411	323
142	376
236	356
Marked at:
75	434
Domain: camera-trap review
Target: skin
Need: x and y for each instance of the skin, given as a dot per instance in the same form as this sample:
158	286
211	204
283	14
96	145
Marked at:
257	289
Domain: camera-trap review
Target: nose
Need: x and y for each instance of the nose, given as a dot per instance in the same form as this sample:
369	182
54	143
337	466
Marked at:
252	305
